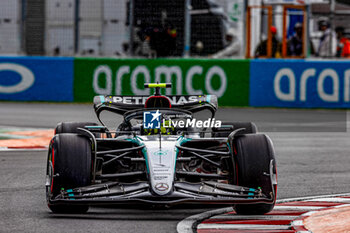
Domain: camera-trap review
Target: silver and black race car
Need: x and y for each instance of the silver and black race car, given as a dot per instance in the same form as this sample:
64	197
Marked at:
160	154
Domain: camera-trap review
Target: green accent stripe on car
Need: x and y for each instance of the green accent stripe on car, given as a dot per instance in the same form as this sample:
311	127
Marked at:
102	98
208	98
229	147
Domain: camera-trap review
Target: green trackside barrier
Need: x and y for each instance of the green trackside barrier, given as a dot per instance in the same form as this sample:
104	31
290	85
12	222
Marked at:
228	79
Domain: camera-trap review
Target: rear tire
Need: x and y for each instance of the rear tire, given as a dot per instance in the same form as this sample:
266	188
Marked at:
71	127
249	127
68	166
254	153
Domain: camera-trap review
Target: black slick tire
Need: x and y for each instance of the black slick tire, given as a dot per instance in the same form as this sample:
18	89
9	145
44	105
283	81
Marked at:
253	155
68	166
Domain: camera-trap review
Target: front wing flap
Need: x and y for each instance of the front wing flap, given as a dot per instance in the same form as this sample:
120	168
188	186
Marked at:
184	192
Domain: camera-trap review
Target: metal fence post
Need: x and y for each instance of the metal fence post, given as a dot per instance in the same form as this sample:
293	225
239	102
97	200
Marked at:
23	15
76	27
131	27
187	31
332	6
307	32
244	41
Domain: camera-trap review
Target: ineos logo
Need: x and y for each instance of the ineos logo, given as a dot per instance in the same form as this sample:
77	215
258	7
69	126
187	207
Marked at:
27	78
162	186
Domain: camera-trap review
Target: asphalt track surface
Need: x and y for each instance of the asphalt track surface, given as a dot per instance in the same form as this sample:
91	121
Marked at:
312	152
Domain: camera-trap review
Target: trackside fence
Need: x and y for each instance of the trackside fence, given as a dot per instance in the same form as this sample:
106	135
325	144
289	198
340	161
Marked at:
256	83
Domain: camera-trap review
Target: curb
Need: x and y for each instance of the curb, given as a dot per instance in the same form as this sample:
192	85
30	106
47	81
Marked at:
190	224
15	138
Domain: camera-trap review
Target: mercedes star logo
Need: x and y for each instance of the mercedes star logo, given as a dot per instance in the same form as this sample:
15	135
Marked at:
162	186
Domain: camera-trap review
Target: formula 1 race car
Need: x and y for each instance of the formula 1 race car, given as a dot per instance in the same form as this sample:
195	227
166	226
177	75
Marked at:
160	154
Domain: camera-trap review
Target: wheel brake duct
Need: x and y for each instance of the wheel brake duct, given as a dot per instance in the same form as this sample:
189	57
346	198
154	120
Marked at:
90	135
232	135
273	178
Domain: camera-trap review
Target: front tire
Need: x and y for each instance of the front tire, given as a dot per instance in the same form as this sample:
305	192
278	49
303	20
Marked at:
68	166
253	155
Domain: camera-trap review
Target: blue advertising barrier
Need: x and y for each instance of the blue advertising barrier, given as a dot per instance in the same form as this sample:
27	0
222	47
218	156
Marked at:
299	83
36	79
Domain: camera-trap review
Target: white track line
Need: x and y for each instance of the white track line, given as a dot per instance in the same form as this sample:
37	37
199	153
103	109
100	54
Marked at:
298	223
311	197
298	208
243	227
341	206
334	199
254	217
